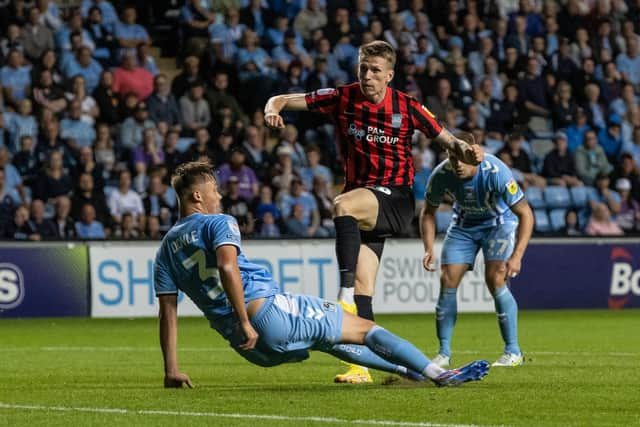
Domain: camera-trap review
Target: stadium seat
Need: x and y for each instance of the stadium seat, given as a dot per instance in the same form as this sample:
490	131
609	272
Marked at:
557	218
581	196
542	221
557	197
534	197
443	218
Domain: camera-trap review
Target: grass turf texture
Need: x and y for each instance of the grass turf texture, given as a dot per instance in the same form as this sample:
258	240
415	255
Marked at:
581	369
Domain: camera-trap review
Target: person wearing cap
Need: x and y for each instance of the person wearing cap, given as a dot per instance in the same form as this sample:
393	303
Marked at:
194	108
628	218
600	223
375	126
559	166
611	138
590	159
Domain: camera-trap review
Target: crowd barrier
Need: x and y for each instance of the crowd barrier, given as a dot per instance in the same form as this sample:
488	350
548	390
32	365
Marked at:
115	279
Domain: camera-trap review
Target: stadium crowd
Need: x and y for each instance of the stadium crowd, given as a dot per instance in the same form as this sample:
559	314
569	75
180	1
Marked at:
91	129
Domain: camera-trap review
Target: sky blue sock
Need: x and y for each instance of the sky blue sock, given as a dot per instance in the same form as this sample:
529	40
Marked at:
395	349
361	355
446	315
507	311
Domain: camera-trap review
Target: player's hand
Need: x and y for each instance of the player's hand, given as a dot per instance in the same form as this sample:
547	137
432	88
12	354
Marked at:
466	150
250	334
177	380
274	120
513	267
428	261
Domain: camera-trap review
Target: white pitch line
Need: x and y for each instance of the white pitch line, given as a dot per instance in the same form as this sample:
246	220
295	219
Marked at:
224	349
231	415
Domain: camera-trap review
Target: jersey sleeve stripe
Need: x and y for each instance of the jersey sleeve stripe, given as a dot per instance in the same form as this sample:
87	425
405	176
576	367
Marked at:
515	202
426	122
227	243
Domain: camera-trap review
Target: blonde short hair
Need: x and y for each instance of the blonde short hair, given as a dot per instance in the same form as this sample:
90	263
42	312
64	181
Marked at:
380	49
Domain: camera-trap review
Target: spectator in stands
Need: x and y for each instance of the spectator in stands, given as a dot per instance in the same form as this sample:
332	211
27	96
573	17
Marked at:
237	206
21	124
190	73
520	161
127	229
200	147
77	132
9	200
89	106
255	72
43	226
610	139
49	141
559	167
441	102
107	99
195	22
564	108
310	217
596	113
628	218
269	228
130	77
629	62
310	19
626	168
35	36
73	27
194	109
47	61
147	154
87	164
295	222
102	35
64	224
124	199
257	157
264	204
163	106
600	223
289	138
323	50
571	226
532	90
146	60
12	41
289	52
611	83
128	33
47	94
131	132
590	159
323	195
88	227
159	203
218	97
172	156
85	193
15	78
575	132
21	228
236	167
625	101
605	195
314	168
83	64
54	181
25	161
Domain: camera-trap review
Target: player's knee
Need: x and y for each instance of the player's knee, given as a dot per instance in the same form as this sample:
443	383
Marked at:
343	206
447	280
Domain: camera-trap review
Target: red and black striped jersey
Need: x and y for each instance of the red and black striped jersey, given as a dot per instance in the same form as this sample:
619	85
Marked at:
374	139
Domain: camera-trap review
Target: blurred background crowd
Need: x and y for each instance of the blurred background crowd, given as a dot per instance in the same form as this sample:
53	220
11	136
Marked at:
101	100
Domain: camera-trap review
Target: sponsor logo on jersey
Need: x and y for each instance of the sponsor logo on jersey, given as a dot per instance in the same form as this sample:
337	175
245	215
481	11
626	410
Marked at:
396	120
372	134
233	226
625	280
328	306
11	286
512	187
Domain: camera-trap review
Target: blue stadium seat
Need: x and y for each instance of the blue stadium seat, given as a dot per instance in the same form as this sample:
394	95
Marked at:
542	221
557	197
443	218
534	197
557	216
581	196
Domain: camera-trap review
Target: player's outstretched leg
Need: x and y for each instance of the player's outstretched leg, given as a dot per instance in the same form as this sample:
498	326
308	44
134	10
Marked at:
360	356
446	316
507	312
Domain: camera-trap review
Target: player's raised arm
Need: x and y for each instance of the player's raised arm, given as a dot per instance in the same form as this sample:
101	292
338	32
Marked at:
227	256
428	233
277	103
168	314
525	228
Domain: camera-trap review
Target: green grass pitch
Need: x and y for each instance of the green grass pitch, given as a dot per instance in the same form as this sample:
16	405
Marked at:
581	369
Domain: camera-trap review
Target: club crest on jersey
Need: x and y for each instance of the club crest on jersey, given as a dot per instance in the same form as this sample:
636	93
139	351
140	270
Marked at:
512	187
396	120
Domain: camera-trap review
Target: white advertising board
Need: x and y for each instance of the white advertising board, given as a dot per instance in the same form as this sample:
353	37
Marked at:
122	277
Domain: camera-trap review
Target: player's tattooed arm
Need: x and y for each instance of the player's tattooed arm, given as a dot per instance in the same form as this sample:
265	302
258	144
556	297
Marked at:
275	104
462	146
168	314
227	256
525	228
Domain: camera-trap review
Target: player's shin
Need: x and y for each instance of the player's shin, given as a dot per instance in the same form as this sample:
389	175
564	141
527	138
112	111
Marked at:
363	356
446	315
400	351
347	251
507	312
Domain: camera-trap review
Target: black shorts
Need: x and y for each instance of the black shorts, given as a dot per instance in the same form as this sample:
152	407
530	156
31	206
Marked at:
396	209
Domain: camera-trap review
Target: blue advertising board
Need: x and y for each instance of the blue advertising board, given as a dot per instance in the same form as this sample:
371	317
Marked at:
44	280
